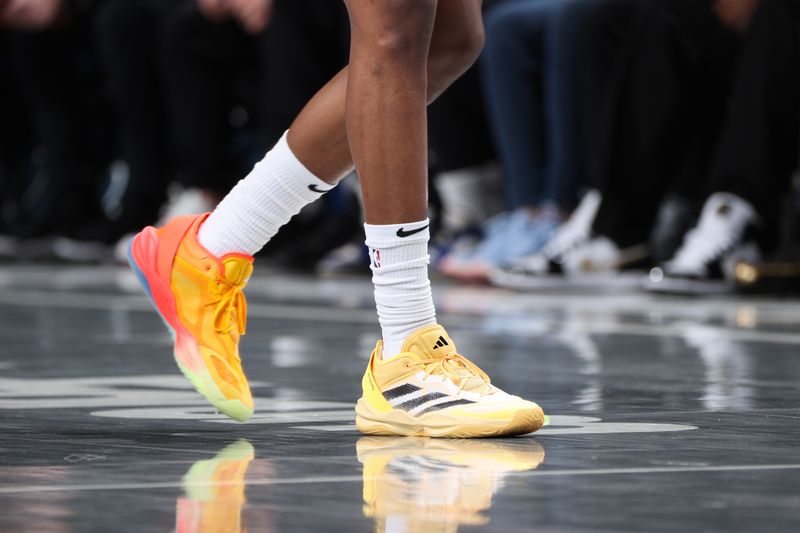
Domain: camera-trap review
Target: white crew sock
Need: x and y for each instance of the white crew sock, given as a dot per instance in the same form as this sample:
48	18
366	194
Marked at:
277	188
399	262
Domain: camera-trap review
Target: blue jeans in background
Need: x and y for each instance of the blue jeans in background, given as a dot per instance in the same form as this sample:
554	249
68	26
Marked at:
530	70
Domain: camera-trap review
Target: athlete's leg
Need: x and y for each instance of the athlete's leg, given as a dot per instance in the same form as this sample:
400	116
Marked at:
386	100
198	288
424	386
318	136
317	146
386	121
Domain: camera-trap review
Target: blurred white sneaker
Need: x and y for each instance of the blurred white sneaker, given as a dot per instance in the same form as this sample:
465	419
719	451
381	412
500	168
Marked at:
507	237
572	257
706	261
180	202
185	201
468	195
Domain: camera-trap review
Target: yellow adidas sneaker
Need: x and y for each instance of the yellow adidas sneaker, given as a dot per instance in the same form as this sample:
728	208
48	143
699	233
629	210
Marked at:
430	390
435	484
199	297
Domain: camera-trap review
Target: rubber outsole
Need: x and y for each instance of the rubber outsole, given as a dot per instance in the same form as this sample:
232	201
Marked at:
439	424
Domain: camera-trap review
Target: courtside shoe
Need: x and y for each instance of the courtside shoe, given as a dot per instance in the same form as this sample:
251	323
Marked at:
430	390
707	260
200	299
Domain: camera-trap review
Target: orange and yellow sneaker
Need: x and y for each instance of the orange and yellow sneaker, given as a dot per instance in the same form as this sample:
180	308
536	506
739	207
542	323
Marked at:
199	297
430	390
215	492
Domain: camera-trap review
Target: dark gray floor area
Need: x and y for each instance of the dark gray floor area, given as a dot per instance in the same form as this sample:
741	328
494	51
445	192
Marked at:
667	415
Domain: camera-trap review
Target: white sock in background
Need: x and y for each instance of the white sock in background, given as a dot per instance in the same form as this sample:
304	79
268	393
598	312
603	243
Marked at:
399	262
468	197
277	188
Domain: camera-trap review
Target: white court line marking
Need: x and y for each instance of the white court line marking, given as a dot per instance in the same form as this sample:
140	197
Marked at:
562	425
333	314
331	427
355	479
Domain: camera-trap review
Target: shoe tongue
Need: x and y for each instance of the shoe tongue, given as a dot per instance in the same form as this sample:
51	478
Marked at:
431	342
471	382
236	269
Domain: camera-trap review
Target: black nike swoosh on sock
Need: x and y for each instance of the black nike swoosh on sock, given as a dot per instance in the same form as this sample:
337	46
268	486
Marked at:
316	189
403	233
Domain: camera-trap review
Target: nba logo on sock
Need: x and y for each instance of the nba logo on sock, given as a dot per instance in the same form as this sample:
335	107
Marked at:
375	257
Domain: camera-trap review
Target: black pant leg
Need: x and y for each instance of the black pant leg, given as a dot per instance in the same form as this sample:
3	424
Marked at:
61	78
127	35
203	63
663	117
306	44
458	127
16	137
758	147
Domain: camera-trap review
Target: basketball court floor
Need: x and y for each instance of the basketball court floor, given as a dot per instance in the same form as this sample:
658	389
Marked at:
667	414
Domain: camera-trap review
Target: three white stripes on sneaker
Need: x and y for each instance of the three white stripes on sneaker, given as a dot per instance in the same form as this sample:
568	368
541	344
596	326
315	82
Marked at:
416	401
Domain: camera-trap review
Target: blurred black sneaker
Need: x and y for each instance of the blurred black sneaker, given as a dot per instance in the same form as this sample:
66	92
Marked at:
706	261
674	219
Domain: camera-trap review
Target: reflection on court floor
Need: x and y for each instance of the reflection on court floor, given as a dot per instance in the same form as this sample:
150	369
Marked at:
419	484
666	414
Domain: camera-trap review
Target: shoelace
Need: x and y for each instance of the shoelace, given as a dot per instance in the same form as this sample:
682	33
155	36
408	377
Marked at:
232	300
455	367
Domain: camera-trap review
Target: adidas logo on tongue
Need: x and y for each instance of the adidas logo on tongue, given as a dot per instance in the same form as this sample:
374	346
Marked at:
441	343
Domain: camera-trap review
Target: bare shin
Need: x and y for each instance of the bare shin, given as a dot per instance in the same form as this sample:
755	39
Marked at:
404	54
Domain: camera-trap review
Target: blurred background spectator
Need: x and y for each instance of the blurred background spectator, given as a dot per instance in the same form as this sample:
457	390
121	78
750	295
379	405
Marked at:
679	117
668	88
59	76
531	82
749	177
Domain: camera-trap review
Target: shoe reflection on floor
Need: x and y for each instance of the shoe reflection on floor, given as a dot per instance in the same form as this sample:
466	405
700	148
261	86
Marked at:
422	484
214	492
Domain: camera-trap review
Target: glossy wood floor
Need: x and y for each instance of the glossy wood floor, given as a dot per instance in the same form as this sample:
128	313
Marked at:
667	415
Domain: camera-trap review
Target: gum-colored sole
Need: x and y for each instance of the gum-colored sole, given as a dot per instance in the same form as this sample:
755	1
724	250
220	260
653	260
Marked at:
440	424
